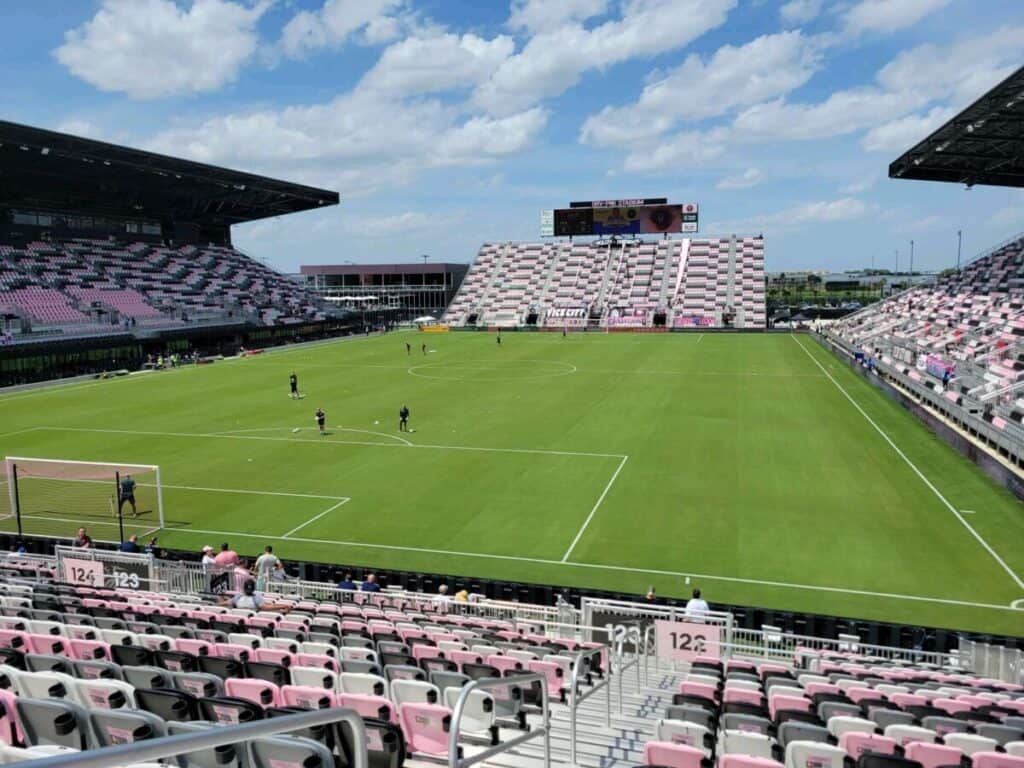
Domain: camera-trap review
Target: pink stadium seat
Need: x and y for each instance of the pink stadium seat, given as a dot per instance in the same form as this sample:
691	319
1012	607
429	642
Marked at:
552	674
671	755
261	692
857	743
996	760
48	644
933	755
857	694
464	657
426	652
816	688
425	727
232	651
738	695
703	690
504	663
780	703
84	650
307	697
904	700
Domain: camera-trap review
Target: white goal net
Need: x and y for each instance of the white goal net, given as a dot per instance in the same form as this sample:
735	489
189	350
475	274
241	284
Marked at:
86	491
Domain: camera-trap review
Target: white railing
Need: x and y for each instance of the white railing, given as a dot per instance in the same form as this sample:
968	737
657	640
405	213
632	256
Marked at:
152	750
582	660
544	730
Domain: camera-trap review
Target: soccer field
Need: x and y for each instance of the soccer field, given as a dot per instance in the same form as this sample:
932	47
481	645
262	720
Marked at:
758	465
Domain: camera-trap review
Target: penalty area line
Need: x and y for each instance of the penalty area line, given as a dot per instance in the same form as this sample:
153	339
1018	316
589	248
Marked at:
599	566
593	511
313	519
995	556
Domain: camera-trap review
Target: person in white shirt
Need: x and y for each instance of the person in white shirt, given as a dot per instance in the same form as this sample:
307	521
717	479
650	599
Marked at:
696	608
442	594
265	565
208	559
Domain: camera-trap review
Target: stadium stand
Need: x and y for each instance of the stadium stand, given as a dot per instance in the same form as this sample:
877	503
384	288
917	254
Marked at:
83	668
717	282
961	337
73	283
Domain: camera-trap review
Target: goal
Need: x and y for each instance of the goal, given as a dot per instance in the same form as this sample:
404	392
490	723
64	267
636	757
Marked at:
86	491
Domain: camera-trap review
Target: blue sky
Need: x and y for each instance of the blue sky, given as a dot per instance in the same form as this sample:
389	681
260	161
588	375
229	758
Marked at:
447	123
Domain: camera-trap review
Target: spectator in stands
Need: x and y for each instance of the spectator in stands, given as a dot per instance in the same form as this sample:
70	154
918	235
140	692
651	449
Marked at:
82	540
696	607
279	574
265	565
651	596
346	583
462	596
241	573
370	583
132	545
252	600
442	594
208	558
151	548
226	556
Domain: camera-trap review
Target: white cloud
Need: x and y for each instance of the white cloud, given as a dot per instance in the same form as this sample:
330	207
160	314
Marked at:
888	15
554	60
962	71
78	127
797	12
1009	217
683	150
799	216
764	68
539	15
154	48
336	21
859	185
438	63
749	178
900	135
356	143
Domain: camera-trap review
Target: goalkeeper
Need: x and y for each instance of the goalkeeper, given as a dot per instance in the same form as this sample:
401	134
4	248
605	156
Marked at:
127	495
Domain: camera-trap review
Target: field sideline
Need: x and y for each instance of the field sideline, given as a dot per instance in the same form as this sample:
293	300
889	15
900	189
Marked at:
760	466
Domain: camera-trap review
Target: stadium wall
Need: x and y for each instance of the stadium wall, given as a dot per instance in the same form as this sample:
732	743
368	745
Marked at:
962	443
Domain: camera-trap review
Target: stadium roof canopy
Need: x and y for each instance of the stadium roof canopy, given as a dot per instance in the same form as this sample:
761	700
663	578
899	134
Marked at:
984	144
42	169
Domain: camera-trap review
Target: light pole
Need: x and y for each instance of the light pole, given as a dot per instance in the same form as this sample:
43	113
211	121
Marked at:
959	244
423	299
911	259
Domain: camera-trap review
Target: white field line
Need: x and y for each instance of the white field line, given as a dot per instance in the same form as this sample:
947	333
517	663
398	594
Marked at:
314	519
538	451
995	556
247	491
17	431
596	566
699	339
593	511
78	521
342	429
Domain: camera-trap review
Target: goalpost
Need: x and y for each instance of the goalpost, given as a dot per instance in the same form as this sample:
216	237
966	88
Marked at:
85	491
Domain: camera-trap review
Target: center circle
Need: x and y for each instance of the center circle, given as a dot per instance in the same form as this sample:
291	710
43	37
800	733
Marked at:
498	370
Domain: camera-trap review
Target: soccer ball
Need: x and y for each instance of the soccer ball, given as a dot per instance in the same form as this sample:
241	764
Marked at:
295	430
376	422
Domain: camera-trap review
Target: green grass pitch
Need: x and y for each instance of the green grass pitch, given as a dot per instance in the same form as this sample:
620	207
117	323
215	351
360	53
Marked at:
615	461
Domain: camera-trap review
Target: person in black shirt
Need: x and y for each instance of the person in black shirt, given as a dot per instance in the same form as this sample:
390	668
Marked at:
320	419
403	419
423	348
408	348
499	338
127	495
293	383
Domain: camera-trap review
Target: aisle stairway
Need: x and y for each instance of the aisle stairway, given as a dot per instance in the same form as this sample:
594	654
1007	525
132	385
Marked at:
598	746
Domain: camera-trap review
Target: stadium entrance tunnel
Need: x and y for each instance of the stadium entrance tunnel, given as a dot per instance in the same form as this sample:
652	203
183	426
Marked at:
496	370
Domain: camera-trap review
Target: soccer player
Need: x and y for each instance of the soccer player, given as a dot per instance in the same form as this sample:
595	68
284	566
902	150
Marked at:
320	419
403	419
408	348
499	338
423	348
127	495
293	383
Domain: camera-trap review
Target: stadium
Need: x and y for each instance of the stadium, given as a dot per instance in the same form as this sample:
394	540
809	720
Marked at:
601	429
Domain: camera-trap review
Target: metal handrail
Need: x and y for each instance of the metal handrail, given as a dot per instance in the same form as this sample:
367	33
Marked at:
454	761
575	698
171	746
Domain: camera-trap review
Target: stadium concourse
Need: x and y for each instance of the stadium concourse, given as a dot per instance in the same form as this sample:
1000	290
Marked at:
428	679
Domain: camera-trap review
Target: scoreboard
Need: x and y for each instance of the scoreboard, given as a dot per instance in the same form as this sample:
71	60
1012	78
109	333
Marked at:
638	216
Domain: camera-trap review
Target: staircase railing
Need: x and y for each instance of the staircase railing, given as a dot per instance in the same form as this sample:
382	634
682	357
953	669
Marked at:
152	750
576	698
544	730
